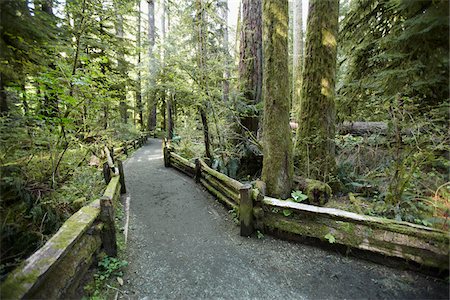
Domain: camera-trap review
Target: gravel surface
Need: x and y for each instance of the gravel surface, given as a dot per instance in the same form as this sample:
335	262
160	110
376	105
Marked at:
183	244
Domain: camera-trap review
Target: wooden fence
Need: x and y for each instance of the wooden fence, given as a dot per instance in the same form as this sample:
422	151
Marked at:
55	270
420	244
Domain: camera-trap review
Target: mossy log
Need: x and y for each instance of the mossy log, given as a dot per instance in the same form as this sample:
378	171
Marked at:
218	185
234	184
318	192
426	246
362	128
223	199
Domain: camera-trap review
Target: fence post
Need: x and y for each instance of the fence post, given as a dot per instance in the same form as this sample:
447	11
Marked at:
106	172
123	188
166	156
109	229
125	149
198	170
246	210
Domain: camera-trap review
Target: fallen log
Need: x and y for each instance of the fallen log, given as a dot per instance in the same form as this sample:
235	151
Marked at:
362	128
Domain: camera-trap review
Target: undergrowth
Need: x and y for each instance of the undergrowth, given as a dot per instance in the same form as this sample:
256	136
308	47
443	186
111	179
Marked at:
45	176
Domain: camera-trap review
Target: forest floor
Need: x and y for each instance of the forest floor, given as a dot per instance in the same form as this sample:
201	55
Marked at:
184	244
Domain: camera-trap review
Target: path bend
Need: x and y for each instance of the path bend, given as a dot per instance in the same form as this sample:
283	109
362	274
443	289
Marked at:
183	244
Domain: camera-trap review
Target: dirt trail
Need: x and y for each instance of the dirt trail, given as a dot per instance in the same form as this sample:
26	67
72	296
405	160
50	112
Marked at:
183	244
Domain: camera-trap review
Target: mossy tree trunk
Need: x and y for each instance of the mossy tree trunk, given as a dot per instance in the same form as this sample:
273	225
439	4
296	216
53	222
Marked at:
203	80
277	163
151	104
138	83
121	63
250	65
315	135
297	56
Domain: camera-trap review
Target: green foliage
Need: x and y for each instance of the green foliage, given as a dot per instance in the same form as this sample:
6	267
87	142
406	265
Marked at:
298	196
108	268
330	237
234	215
393	48
259	234
287	212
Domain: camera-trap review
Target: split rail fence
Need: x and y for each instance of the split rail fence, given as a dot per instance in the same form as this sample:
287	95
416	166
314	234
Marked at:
423	245
55	270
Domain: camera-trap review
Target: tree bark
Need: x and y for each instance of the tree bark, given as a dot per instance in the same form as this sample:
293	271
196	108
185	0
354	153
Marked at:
315	136
297	56
152	103
170	124
250	63
138	83
4	108
277	162
203	81
226	74
123	107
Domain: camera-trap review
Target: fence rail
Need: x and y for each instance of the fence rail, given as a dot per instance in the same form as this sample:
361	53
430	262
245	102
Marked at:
423	245
55	270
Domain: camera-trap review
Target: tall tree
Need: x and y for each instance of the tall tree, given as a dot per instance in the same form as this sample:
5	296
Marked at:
297	56
202	81
250	65
121	64
138	83
151	103
277	162
226	73
315	135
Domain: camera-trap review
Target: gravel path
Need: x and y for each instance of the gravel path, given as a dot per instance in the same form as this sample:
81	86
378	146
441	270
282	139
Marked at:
183	244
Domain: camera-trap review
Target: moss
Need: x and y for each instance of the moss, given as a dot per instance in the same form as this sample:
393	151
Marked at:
315	134
17	285
74	226
277	170
113	188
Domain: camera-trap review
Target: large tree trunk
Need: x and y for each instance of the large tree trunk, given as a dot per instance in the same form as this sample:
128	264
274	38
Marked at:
226	74
138	83
151	103
315	137
277	162
121	65
170	123
203	81
297	56
4	108
250	63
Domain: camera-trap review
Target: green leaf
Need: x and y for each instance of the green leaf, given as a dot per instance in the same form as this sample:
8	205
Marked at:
287	212
331	239
298	196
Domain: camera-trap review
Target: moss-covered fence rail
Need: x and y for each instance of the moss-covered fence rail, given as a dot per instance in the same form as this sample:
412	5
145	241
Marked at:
55	270
411	242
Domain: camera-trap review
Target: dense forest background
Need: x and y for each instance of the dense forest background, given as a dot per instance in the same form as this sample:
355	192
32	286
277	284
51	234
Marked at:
274	101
